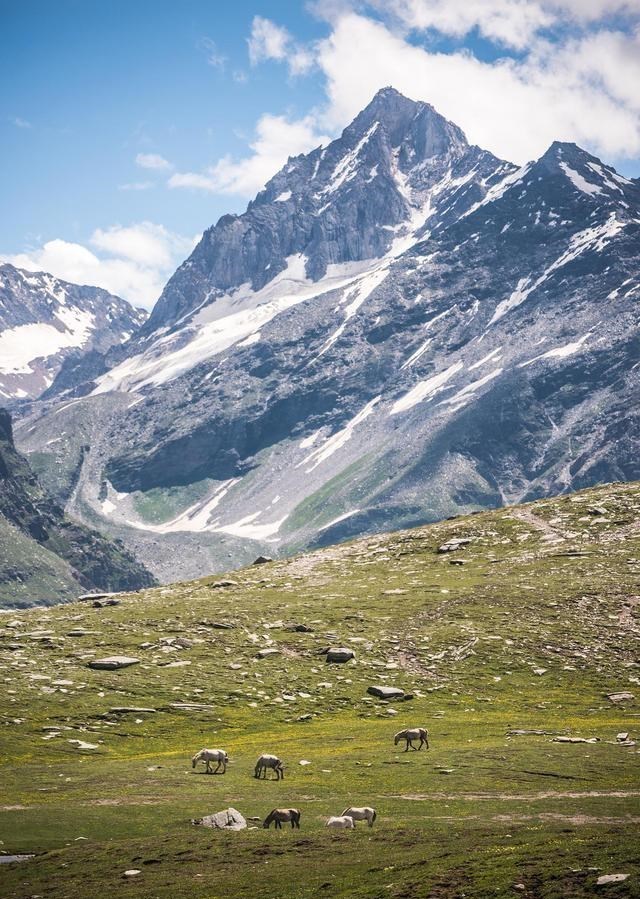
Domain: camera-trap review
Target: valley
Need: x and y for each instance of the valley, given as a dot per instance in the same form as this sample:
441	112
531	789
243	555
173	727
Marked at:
505	646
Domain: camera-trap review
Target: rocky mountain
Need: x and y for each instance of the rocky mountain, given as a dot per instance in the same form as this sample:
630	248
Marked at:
45	557
400	327
46	323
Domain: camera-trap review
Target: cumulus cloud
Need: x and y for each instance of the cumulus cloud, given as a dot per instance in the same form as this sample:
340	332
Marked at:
133	262
152	161
21	123
271	41
579	91
136	185
275	140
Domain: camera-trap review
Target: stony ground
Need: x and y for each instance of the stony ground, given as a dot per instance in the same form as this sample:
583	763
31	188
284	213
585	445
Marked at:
520	642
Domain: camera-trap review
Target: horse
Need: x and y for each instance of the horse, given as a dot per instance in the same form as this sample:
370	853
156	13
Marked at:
269	761
341	822
211	755
410	734
278	815
363	813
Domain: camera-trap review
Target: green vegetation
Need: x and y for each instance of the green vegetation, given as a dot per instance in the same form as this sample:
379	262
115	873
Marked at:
531	633
163	503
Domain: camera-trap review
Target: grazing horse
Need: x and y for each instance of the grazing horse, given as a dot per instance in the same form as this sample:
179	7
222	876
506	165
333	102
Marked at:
363	813
278	815
341	822
411	734
269	761
211	755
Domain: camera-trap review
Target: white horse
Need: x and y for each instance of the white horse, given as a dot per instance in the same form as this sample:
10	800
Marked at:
269	761
362	813
411	734
280	815
341	822
211	755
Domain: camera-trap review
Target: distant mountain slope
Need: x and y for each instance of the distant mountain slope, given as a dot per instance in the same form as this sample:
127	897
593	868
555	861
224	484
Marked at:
45	322
399	327
45	557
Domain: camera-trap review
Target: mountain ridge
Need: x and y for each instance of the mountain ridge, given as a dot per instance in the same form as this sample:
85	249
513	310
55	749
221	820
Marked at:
47	324
485	355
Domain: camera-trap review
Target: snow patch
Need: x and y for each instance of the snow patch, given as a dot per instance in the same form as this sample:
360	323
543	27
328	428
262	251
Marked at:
425	389
333	444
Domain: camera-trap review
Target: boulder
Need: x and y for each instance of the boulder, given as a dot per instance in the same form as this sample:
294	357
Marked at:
229	819
217	585
113	663
454	544
383	692
605	879
623	696
339	655
262	560
267	653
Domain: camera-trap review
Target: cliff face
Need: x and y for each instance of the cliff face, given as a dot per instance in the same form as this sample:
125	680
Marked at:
44	556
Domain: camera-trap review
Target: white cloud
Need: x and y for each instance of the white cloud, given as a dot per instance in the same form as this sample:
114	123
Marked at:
152	161
271	41
585	90
276	139
214	57
133	262
21	123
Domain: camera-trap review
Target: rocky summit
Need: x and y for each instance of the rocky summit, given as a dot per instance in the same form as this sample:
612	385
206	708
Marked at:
399	328
48	326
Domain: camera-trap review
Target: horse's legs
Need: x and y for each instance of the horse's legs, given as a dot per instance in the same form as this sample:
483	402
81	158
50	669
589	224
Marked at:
207	769
406	749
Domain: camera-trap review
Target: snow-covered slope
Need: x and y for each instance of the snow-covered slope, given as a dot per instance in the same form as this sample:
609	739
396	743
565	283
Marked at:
45	321
399	327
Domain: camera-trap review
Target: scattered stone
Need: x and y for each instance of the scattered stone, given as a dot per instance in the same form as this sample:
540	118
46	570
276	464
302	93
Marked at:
454	544
596	510
622	737
103	603
575	740
191	706
267	653
396	592
88	597
532	733
262	560
126	709
623	696
604	879
219	625
304	762
113	663
229	819
132	872
540	671
457	562
217	585
384	692
306	717
80	744
300	628
339	655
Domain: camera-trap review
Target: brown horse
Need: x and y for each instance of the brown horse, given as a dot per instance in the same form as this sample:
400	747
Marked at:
278	815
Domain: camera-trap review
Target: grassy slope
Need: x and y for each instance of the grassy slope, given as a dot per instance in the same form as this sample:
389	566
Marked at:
479	813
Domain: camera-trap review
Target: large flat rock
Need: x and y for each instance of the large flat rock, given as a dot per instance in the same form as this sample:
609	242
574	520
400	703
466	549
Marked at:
113	663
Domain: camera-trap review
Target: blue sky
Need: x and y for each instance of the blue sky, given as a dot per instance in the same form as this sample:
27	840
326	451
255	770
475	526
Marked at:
129	127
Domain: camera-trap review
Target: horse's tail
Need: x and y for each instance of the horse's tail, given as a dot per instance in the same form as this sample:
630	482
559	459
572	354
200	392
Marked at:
295	814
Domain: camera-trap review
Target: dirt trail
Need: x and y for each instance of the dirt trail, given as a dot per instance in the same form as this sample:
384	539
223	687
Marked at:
513	797
538	523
